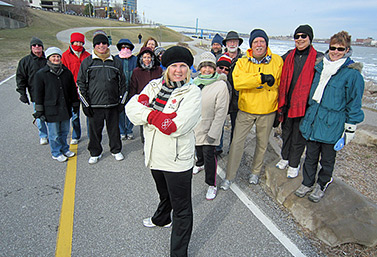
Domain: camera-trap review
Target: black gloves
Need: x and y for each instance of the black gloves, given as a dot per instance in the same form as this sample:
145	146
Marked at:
75	109
39	115
121	108
24	99
88	111
267	78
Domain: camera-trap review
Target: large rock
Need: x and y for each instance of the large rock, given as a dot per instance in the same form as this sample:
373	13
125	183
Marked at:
342	216
366	135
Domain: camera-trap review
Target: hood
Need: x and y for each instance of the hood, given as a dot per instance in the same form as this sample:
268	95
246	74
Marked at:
125	41
147	50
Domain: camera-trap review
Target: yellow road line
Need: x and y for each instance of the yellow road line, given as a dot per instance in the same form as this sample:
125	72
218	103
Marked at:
64	239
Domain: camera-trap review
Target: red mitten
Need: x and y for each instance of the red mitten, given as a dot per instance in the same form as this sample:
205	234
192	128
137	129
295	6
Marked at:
143	99
163	121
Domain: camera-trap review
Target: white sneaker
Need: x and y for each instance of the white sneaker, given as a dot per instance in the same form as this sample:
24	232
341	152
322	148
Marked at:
225	185
197	169
130	136
94	159
282	164
43	141
254	179
74	141
60	158
292	172
118	156
211	192
69	154
149	224
123	137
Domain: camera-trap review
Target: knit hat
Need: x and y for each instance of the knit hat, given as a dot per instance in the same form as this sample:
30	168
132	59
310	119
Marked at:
207	59
232	35
177	54
224	60
125	41
100	37
35	41
53	50
77	37
305	29
217	39
158	50
257	33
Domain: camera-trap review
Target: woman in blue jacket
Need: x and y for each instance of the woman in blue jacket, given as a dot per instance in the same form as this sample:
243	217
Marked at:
334	109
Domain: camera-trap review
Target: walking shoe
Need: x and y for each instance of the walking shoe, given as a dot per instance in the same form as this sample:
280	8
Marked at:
292	172
149	224
282	164
74	141
197	169
69	154
303	190
318	193
225	185
94	159
254	179
60	158
211	192
130	136
123	137
118	156
43	141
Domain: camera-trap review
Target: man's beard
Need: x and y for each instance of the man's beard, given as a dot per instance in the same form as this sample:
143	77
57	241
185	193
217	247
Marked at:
232	49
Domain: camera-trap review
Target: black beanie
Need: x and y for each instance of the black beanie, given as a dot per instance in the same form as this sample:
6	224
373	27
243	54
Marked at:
177	54
258	33
35	41
100	38
305	29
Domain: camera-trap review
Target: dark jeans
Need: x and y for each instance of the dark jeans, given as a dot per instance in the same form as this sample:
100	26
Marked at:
206	156
174	189
233	117
96	124
293	142
314	151
76	127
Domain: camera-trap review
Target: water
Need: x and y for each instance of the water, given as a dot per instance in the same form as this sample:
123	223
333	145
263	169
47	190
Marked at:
366	55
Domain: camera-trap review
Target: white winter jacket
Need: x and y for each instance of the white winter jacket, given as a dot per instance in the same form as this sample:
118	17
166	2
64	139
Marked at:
174	152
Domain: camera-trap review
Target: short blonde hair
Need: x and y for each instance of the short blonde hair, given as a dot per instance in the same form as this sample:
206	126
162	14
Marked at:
166	74
341	38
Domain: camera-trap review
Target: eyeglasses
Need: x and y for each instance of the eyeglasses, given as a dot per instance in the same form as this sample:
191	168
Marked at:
36	45
297	36
340	49
223	68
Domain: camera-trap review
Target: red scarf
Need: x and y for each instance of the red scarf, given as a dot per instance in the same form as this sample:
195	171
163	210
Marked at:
301	91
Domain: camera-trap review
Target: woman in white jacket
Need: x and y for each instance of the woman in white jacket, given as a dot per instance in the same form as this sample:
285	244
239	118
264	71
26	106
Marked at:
215	102
169	108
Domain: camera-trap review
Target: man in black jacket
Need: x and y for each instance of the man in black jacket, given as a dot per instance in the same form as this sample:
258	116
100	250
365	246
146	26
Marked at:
55	96
102	89
27	67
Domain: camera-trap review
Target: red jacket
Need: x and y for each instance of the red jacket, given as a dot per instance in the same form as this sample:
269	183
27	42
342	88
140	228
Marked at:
72	62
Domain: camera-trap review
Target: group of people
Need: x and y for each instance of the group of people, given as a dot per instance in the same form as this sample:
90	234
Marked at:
316	97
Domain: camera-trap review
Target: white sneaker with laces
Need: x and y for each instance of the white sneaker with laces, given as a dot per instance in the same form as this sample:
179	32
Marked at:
149	224
282	164
118	156
43	141
292	172
74	141
211	192
60	158
94	159
69	154
197	169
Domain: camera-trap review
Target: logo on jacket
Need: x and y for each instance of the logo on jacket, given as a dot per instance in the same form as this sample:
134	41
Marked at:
173	104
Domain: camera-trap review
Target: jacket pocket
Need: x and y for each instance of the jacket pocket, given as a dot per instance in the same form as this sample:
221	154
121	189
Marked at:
50	107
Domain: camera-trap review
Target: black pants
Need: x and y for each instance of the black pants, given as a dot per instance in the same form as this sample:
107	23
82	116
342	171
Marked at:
314	151
233	117
293	142
174	189
206	156
96	124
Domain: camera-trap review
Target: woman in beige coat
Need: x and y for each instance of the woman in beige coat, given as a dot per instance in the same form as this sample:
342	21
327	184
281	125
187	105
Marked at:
215	102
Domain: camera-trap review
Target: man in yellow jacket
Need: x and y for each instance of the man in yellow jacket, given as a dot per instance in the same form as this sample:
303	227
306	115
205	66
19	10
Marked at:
257	78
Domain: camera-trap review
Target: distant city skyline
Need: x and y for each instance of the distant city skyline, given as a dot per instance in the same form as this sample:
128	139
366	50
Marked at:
277	18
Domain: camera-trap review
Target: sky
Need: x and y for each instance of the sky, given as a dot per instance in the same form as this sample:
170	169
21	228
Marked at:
276	17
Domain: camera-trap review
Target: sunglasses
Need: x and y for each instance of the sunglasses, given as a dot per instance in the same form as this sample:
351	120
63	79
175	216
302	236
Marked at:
340	49
36	45
223	68
303	36
103	43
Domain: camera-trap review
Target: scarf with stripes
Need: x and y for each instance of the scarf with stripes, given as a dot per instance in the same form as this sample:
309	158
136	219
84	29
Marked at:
163	96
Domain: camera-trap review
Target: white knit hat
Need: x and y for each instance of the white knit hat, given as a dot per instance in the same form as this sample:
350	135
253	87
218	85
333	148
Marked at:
53	50
207	59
